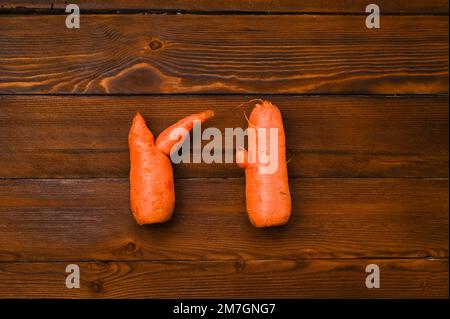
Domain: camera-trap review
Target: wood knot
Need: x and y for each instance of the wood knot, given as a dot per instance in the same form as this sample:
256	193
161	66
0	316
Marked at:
96	286
155	45
130	246
239	265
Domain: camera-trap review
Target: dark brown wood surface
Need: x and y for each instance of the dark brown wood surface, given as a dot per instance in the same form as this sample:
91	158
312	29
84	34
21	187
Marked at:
332	218
228	279
264	6
48	137
224	54
366	121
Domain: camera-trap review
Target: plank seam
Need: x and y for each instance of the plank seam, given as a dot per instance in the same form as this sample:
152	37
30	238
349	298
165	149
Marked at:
386	95
219	260
50	11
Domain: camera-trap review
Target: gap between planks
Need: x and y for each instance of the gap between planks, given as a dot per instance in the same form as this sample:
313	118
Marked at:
219	260
30	11
233	6
233	94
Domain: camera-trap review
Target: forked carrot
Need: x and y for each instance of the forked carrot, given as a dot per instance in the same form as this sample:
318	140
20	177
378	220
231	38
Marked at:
268	198
152	193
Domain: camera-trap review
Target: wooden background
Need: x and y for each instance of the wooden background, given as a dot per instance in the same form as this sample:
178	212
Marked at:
366	119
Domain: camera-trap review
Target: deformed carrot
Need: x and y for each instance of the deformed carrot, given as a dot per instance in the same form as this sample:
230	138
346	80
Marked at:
268	198
152	193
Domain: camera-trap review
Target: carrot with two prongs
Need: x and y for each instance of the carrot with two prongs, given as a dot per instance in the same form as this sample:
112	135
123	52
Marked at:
268	198
152	193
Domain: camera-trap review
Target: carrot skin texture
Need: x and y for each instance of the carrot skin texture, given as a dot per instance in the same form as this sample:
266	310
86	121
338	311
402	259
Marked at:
268	199
152	193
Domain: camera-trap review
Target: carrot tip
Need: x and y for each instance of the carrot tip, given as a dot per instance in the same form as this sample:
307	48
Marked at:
138	119
207	114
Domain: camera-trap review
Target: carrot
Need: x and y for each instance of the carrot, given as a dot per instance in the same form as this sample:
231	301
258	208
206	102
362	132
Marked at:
165	143
152	193
268	198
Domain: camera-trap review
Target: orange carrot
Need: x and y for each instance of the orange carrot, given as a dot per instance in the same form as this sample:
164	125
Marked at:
152	193
267	195
165	143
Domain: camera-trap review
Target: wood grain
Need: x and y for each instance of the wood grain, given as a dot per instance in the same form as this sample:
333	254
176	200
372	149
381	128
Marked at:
228	279
327	6
43	220
224	54
72	137
64	159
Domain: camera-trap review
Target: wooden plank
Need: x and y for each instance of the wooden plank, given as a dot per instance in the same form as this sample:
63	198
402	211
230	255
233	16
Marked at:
228	279
223	54
328	136
326	6
43	220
